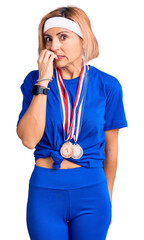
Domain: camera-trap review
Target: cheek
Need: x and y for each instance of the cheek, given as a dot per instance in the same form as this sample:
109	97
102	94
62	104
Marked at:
47	46
73	50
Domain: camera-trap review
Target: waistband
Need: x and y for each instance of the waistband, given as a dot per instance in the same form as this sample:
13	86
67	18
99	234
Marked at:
66	178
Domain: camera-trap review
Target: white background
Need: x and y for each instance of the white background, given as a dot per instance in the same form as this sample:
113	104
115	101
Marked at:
118	27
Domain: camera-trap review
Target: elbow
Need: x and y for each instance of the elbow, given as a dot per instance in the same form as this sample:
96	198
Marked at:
28	145
18	132
25	142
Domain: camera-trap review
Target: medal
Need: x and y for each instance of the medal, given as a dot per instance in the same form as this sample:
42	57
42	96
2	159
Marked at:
71	125
67	150
78	151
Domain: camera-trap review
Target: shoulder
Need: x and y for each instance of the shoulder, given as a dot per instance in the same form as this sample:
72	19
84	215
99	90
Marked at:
32	74
31	77
109	81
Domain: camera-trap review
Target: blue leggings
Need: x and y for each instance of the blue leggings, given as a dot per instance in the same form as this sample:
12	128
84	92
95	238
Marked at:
68	204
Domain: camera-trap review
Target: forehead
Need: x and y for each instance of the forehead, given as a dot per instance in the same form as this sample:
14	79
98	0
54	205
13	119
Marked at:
56	30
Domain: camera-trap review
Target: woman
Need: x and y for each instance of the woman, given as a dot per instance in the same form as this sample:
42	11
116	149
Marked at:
71	115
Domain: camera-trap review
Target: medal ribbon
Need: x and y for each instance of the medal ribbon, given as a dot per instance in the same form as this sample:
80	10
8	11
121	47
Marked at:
71	128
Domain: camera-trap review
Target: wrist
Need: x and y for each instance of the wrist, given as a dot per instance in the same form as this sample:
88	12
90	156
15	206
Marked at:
38	89
44	85
44	81
41	86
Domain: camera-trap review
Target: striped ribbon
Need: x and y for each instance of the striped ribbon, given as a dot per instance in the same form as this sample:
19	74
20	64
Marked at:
71	122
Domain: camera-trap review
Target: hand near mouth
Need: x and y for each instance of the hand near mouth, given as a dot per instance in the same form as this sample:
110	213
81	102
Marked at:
46	65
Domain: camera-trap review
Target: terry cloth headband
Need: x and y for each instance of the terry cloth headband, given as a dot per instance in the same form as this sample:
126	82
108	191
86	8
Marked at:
63	23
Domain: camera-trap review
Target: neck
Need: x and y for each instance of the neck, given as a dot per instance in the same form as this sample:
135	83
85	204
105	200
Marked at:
71	71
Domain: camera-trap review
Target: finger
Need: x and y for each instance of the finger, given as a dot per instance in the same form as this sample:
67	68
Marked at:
41	56
49	56
48	53
44	52
45	56
53	56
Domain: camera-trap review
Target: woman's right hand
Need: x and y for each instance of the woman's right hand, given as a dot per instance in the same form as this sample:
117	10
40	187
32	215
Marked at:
45	65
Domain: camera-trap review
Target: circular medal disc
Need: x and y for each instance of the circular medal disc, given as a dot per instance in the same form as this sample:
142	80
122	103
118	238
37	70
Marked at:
78	151
67	150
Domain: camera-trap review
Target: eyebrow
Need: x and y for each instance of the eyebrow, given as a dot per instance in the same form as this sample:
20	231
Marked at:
56	34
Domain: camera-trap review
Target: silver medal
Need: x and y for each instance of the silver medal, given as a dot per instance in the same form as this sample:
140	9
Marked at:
78	151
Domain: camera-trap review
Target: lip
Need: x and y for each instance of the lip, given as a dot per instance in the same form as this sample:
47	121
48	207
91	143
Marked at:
60	57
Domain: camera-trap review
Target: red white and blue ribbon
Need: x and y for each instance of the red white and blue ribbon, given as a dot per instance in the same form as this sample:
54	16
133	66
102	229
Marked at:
71	117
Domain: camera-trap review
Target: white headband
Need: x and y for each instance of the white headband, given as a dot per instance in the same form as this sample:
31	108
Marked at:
63	23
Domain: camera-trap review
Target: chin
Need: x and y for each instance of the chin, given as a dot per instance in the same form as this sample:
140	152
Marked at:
60	64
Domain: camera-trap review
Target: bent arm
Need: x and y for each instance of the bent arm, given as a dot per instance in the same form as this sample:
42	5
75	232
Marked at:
111	154
31	126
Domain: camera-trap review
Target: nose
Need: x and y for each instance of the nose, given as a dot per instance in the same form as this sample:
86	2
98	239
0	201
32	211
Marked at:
55	44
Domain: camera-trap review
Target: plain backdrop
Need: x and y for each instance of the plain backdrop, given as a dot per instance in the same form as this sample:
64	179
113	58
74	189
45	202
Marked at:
118	27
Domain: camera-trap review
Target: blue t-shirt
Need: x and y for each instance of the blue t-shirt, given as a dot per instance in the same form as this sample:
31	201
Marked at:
103	110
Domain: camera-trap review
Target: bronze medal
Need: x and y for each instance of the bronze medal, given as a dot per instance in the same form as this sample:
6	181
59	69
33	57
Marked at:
67	150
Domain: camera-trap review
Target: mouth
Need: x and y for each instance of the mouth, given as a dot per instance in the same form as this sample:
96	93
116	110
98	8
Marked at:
60	57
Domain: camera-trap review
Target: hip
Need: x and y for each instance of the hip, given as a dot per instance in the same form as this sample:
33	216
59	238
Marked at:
70	178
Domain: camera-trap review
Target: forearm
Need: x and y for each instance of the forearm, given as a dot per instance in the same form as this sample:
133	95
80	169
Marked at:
31	126
110	166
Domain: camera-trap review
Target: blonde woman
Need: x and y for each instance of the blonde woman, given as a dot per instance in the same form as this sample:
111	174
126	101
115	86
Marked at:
71	115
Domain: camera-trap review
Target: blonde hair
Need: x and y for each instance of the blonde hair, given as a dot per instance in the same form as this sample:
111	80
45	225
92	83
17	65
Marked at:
91	49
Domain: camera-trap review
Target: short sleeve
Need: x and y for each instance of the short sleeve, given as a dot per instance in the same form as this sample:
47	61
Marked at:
114	110
26	89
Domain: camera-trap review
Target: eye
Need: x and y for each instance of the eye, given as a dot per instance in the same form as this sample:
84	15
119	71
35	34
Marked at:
63	36
48	39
